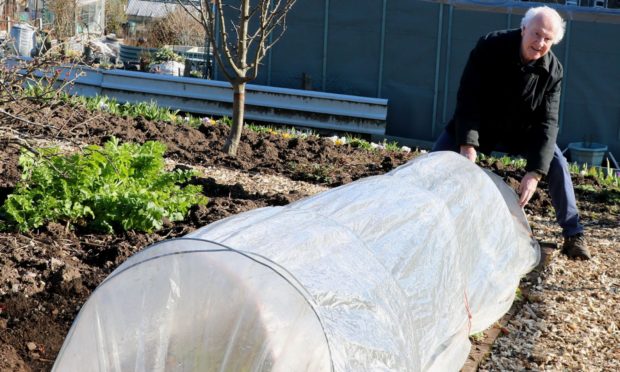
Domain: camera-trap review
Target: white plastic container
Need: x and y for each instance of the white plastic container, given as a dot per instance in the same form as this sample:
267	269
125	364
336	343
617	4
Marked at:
23	40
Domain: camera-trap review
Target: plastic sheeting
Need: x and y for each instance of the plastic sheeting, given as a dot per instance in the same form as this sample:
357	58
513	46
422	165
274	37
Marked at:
387	273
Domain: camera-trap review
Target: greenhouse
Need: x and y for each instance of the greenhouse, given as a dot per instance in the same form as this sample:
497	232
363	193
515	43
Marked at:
81	16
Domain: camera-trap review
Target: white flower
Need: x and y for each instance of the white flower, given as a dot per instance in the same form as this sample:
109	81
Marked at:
104	106
423	151
208	121
405	149
378	146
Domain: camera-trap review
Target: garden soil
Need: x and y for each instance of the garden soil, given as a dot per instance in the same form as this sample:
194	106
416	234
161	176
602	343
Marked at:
46	275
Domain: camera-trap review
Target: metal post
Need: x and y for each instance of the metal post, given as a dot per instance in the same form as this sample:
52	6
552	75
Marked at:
382	48
569	24
269	61
325	36
270	38
217	39
437	64
447	74
206	70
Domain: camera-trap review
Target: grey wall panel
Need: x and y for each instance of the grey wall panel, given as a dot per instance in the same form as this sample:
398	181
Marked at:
416	82
592	107
300	50
409	67
353	47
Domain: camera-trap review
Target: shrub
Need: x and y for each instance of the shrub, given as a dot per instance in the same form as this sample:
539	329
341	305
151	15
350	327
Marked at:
102	188
115	16
166	54
176	28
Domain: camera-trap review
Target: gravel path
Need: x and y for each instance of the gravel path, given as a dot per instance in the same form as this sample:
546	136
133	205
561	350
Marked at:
261	183
569	320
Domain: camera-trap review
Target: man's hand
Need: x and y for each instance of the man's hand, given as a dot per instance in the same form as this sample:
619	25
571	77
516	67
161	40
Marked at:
528	187
469	152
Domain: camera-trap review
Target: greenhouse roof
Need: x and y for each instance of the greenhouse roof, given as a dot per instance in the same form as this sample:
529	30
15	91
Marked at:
141	8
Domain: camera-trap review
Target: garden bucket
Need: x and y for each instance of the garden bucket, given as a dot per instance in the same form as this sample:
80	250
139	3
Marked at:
590	153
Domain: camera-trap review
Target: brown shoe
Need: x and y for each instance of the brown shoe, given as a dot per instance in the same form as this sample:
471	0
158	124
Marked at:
575	247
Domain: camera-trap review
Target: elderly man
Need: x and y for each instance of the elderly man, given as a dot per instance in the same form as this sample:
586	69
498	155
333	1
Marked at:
508	101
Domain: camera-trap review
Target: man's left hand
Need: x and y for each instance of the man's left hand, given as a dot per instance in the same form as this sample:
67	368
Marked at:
528	187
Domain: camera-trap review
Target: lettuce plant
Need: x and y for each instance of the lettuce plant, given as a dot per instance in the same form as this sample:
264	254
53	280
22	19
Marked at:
117	186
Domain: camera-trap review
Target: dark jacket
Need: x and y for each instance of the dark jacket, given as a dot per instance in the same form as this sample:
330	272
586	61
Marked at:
504	104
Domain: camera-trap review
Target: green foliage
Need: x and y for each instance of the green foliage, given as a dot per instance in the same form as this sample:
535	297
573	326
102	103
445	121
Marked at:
117	186
517	162
359	143
115	16
166	54
518	294
311	172
391	146
606	175
40	88
151	111
262	129
477	337
147	110
226	121
283	132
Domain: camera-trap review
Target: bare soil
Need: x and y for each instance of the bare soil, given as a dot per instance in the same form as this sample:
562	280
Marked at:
47	275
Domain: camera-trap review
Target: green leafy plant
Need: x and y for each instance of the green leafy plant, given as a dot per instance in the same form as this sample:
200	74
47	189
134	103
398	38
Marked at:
519	294
391	146
359	143
117	186
505	160
606	175
311	172
477	337
226	121
166	54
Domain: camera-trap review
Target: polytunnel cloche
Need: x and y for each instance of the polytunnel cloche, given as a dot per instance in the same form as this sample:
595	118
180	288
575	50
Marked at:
388	273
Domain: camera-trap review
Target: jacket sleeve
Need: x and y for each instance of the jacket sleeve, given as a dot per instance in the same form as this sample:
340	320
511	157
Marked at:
545	130
468	100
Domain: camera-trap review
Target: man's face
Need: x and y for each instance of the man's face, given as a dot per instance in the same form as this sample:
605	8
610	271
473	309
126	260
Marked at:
537	38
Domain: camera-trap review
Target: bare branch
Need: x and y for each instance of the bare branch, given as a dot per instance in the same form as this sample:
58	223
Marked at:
268	15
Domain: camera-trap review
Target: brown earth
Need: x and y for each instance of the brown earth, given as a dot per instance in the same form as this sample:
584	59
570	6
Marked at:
47	275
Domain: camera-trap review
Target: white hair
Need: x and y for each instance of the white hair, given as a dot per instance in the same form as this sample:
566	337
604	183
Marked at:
554	16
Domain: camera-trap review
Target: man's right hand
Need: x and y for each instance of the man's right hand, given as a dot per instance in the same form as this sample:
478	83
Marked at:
469	152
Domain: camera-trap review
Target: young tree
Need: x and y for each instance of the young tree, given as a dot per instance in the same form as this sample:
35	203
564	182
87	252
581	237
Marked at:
64	17
176	28
115	16
240	33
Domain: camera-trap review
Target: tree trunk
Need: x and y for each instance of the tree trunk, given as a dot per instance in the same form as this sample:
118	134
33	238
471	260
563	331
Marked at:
232	143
